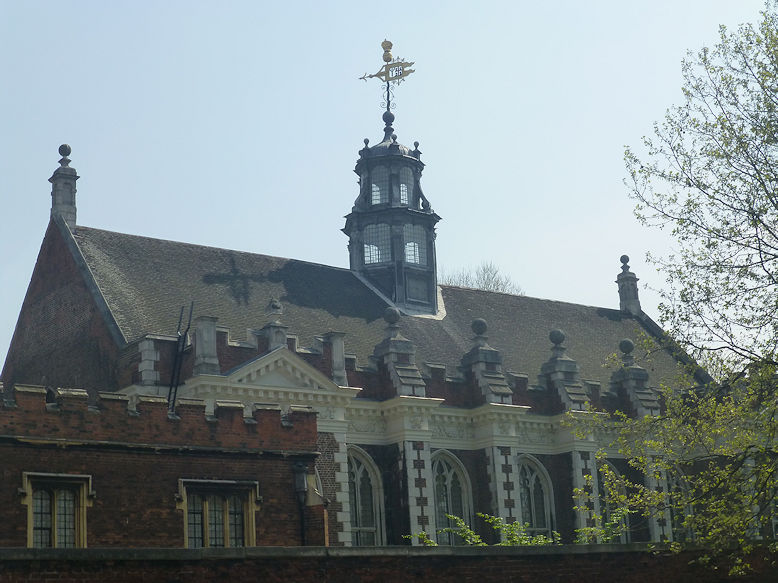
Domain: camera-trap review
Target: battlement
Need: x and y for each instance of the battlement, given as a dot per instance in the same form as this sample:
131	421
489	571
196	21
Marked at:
70	416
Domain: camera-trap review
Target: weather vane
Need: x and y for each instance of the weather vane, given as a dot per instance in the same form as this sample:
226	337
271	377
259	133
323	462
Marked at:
394	71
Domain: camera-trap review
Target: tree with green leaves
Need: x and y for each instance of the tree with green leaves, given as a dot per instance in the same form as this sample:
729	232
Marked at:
709	174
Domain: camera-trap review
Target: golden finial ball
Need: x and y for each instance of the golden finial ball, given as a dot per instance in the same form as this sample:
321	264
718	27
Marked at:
387	46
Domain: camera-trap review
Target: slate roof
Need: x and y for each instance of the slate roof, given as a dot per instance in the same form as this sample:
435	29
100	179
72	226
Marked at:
146	281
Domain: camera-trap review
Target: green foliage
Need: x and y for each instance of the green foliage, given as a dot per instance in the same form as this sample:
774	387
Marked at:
709	174
717	448
513	534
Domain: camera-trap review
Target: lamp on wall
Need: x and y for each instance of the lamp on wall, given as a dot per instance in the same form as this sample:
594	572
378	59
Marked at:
300	471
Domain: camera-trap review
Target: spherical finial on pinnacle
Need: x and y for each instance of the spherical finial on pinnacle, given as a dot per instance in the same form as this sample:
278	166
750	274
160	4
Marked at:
64	150
388	117
391	315
416	145
367	141
624	259
479	326
626	346
556	337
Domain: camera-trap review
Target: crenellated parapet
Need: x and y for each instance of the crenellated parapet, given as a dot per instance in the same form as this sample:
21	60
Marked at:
73	417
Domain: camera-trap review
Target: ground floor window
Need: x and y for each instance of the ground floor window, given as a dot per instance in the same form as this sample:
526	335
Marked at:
534	497
56	509
219	513
364	489
452	495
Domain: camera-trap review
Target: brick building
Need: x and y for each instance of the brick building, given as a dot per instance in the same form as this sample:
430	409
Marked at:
429	399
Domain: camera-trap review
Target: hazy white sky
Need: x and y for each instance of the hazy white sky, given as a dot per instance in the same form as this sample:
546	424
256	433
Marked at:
237	124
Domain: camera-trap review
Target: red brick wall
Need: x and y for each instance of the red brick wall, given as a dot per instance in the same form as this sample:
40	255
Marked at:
136	459
569	564
61	338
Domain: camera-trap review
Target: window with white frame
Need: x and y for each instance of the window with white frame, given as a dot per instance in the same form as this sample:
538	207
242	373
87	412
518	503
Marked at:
56	509
365	496
379	185
377	244
218	513
452	495
535	497
415	245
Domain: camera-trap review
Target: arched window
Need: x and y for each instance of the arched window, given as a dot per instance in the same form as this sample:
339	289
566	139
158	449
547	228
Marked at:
415	244
406	185
365	495
452	495
379	185
376	244
535	497
679	511
608	506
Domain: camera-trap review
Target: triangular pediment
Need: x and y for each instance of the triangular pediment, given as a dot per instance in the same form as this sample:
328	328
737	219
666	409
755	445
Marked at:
283	369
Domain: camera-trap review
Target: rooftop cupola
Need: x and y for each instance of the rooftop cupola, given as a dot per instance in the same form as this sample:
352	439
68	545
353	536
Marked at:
391	227
63	189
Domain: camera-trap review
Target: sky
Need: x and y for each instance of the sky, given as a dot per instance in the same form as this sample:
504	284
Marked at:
237	124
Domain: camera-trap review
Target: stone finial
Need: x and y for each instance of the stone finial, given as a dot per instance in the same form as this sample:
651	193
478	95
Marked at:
557	337
627	346
560	373
392	317
479	328
398	354
485	364
63	189
627	281
630	382
274	307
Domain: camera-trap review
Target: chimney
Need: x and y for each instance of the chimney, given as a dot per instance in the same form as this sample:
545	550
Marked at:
63	189
628	289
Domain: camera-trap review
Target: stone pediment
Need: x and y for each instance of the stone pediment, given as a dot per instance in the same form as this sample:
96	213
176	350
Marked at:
282	369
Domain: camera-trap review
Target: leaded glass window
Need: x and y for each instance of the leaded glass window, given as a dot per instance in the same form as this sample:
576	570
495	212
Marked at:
56	516
406	186
215	520
415	244
376	244
364	500
379	185
451	497
534	498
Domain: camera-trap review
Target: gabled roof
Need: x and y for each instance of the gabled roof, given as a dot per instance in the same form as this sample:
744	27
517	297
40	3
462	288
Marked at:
145	282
